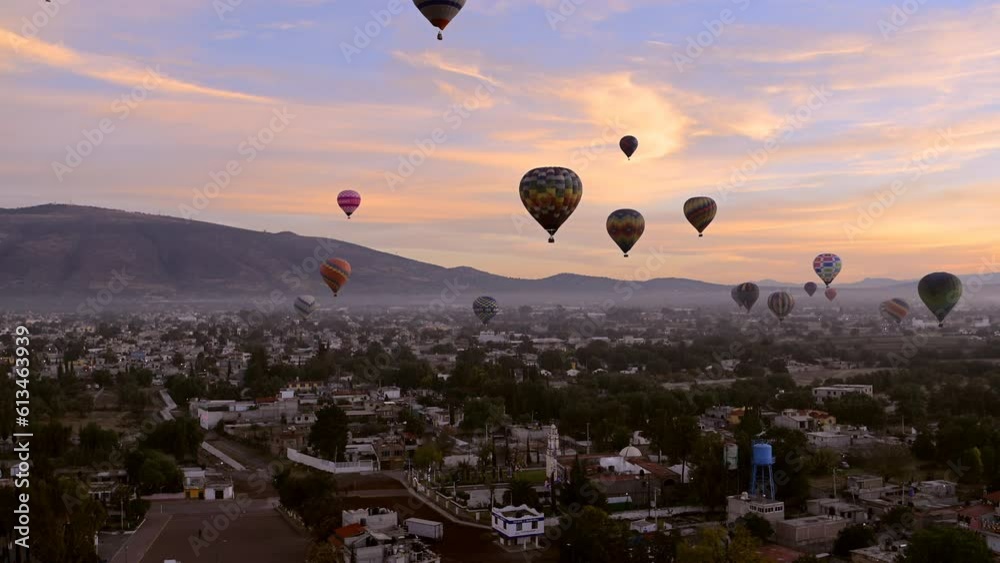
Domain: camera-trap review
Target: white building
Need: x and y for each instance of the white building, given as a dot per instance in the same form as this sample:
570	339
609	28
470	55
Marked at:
839	390
518	525
371	518
770	510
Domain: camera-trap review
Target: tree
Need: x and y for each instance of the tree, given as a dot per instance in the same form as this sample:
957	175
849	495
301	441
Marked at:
581	491
328	435
427	455
853	537
592	537
521	492
678	437
889	462
181	437
757	526
939	544
153	472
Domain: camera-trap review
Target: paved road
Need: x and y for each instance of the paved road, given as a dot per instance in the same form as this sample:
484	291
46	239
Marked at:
138	544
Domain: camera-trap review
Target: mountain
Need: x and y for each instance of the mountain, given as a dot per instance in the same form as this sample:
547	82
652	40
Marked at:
58	256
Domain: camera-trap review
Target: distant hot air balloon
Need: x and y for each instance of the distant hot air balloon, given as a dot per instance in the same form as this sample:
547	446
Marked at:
810	288
550	195
830	293
335	272
894	310
827	267
732	293
485	308
628	145
305	305
439	12
349	201
699	212
625	226
746	295
780	303
940	291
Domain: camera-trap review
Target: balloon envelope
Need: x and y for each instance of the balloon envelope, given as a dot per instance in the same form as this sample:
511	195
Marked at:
732	294
628	144
625	226
699	212
305	305
940	291
827	266
780	303
830	293
746	295
439	12
335	272
349	201
485	308
810	288
894	309
550	195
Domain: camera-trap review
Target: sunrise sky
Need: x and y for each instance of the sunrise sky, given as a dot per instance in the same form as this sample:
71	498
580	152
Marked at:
556	88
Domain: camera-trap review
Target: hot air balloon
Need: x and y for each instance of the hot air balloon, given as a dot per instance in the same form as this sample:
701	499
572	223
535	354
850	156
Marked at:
305	305
485	308
439	12
349	201
746	295
625	226
894	310
628	145
550	195
699	212
940	291
810	288
827	267
732	293
335	272
830	293
780	303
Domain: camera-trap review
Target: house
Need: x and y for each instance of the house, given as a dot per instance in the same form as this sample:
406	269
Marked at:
829	440
809	530
835	507
888	553
740	505
371	518
840	390
518	525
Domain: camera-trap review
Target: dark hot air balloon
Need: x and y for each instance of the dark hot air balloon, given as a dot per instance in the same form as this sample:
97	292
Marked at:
810	288
550	195
732	293
628	145
485	308
894	310
305	305
699	212
625	226
335	272
349	201
780	303
827	267
747	294
439	12
940	291
830	293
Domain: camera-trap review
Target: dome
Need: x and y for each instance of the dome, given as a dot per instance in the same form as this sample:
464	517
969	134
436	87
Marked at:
630	451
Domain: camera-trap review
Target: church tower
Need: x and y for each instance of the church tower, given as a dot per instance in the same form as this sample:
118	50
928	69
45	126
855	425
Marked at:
552	453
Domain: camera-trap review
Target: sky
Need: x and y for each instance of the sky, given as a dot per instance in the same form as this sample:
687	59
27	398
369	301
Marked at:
866	128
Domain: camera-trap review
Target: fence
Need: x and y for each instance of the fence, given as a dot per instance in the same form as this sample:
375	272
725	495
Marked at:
331	466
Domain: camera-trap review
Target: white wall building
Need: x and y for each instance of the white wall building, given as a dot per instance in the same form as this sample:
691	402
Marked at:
518	525
839	390
372	518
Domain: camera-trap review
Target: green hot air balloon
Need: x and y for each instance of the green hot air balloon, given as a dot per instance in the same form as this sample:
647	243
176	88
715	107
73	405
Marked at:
625	226
550	195
746	295
940	291
780	303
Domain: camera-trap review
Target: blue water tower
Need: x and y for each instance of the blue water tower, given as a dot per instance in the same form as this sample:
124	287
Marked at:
762	479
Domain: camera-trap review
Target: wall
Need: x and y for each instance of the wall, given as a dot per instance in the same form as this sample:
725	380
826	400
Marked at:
330	466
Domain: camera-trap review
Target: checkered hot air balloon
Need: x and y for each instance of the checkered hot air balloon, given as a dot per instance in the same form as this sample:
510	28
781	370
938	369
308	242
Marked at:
305	305
940	291
625	226
485	308
894	310
335	272
439	12
349	201
780	303
699	212
827	266
550	195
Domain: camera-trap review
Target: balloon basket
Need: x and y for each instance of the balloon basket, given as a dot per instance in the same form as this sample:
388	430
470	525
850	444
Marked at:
440	36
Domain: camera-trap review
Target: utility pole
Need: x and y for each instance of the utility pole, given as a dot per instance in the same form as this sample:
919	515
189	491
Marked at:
588	438
835	482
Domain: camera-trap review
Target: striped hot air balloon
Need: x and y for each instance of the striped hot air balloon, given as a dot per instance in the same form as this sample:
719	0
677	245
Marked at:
746	295
827	266
940	291
439	12
628	144
894	310
781	304
699	212
485	308
335	272
305	305
810	288
830	293
625	226
550	195
349	201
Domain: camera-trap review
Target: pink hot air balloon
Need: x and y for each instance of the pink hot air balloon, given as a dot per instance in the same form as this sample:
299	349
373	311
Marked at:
349	201
830	293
